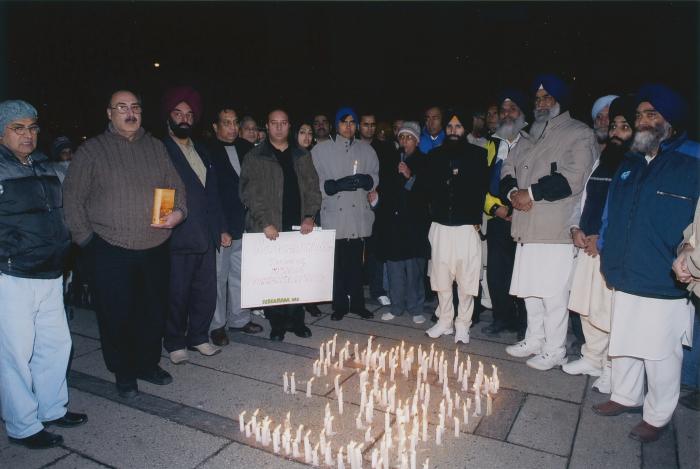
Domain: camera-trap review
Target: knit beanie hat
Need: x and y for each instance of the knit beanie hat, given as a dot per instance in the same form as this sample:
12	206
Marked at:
411	128
60	144
555	86
14	109
517	97
343	112
669	103
624	106
176	95
601	103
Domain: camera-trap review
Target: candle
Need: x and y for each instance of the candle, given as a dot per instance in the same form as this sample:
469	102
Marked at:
325	368
424	429
330	431
358	421
285	383
404	460
293	385
456	420
314	456
469	365
295	449
385	452
335	337
375	457
413	459
341	464
460	375
354	168
308	387
387	421
425	464
336	384
307	448
489	404
465	382
477	404
369	410
357	353
276	439
329	455
438	435
241	421
456	363
321	357
340	401
358	455
368	434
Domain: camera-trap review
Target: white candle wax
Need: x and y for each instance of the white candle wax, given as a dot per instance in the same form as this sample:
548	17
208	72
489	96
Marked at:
375	457
456	421
339	458
387	421
489	404
340	401
335	338
425	464
307	448
308	387
276	439
329	455
456	363
368	434
314	456
336	384
285	382
293	385
241	421
354	168
424	427
413	459
295	449
438	435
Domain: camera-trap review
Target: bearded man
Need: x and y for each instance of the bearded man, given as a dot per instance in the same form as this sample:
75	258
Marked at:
651	201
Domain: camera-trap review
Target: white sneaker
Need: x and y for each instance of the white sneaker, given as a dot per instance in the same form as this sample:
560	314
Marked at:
418	319
581	367
439	329
179	357
384	300
523	349
258	312
603	384
387	316
461	334
207	349
545	361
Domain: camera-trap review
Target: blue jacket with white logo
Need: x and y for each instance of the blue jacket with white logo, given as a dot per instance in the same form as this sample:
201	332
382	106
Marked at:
649	206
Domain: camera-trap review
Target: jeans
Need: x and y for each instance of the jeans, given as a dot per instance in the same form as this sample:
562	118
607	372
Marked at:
35	344
406	287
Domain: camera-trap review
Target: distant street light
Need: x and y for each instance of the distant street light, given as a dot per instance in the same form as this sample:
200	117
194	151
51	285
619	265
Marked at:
156	64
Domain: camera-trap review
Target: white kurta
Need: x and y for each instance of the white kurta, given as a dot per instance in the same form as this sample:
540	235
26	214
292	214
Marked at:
649	328
541	270
590	296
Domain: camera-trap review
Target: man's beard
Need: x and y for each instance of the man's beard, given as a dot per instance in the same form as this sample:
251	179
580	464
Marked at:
648	140
541	118
601	134
508	128
182	130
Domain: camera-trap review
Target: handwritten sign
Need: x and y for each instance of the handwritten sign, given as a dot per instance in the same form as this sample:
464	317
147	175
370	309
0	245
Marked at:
294	268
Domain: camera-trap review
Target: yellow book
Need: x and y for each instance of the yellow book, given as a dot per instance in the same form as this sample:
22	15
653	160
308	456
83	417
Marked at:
163	205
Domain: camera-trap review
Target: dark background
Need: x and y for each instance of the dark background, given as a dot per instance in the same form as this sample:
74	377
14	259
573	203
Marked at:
394	58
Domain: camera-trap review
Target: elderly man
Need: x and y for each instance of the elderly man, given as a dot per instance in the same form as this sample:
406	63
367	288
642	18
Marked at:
227	150
108	199
600	113
543	178
651	201
321	127
508	311
457	185
34	337
433	134
195	242
279	186
348	170
590	297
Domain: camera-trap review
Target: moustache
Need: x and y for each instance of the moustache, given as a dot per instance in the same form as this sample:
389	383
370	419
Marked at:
131	119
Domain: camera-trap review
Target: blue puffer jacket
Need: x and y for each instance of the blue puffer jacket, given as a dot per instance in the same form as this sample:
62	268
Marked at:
649	206
427	143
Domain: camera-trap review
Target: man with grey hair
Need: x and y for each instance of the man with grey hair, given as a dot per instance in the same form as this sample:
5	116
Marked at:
34	337
543	179
601	119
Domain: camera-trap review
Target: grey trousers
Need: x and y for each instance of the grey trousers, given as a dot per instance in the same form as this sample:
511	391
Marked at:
228	288
406	288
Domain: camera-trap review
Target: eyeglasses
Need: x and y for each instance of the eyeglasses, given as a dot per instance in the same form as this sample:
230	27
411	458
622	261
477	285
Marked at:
22	130
122	108
542	99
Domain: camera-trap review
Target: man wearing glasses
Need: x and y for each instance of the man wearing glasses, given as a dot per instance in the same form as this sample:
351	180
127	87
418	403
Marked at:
109	193
543	178
34	241
348	169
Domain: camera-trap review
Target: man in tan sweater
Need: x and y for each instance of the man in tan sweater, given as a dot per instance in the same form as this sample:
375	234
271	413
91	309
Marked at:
108	197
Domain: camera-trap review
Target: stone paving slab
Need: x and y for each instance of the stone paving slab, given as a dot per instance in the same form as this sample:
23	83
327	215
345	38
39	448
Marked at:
507	404
237	455
123	437
687	423
84	322
75	461
83	345
661	454
545	424
15	456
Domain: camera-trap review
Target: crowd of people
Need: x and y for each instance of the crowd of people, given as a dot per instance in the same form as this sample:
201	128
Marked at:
594	225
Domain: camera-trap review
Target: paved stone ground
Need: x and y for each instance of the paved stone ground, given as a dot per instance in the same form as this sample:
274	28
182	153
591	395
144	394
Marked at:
540	419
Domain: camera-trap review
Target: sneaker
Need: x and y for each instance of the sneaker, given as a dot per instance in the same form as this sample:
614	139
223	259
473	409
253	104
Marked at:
418	319
604	384
179	357
384	300
523	349
581	367
461	334
545	361
206	349
258	312
387	316
439	329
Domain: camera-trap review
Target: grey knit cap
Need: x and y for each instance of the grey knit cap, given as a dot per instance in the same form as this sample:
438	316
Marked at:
14	109
412	128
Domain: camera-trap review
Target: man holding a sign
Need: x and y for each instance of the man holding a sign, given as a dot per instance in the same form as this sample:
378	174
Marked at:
279	186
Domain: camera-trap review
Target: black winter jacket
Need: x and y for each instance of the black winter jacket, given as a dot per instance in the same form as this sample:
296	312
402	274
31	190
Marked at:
34	239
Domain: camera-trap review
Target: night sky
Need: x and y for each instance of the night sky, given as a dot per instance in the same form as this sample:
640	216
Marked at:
392	58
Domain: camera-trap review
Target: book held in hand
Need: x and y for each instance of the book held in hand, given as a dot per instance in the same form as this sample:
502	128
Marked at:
163	205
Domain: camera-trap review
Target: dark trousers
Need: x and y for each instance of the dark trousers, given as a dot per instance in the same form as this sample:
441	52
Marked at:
192	299
347	276
131	293
285	318
374	269
507	309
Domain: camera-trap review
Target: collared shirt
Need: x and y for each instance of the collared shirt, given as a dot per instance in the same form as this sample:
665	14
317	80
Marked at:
233	157
194	160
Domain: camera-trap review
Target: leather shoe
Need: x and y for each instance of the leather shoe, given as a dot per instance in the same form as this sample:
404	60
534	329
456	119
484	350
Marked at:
303	332
219	337
364	313
156	376
337	316
645	432
313	310
250	328
276	336
71	419
39	440
127	388
612	408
